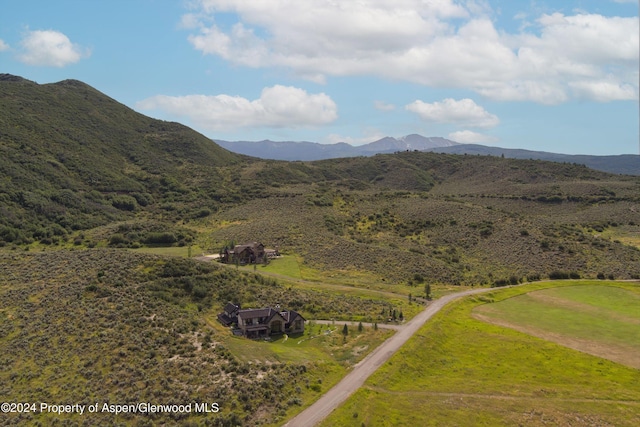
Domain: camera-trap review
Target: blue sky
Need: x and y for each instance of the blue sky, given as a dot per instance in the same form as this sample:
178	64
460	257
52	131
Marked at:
539	74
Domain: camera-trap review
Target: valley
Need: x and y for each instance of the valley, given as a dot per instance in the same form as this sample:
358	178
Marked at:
105	215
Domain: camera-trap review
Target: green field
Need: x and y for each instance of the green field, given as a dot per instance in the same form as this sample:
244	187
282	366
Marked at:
289	270
600	320
458	370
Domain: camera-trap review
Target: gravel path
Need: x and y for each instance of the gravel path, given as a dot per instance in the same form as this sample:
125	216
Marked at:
367	366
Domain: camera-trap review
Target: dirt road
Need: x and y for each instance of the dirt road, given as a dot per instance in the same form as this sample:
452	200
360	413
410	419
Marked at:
367	366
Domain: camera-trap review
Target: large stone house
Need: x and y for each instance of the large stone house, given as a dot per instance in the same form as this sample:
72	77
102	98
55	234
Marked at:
262	322
249	253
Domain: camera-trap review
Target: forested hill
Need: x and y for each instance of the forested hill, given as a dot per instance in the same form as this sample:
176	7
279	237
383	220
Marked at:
74	158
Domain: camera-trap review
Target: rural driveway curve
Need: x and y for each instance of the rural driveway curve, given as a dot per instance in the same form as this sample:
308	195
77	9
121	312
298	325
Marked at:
367	366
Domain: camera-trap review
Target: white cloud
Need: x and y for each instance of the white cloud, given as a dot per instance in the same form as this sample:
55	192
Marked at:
440	43
383	106
604	91
3	46
464	112
278	106
588	40
469	137
50	48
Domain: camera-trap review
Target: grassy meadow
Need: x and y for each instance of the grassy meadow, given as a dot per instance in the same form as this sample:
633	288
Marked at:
290	270
458	370
599	320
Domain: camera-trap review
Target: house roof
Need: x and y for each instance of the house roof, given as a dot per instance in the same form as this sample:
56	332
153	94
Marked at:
252	245
255	313
241	248
291	315
231	308
252	313
224	319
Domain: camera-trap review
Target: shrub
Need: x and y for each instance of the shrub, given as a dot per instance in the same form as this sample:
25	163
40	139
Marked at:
124	203
499	283
117	239
486	231
143	199
559	275
203	213
9	234
160	238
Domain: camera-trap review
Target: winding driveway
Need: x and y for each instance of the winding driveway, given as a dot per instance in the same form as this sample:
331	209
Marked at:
367	366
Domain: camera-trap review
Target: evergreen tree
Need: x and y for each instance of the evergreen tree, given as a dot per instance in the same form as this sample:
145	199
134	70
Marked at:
427	291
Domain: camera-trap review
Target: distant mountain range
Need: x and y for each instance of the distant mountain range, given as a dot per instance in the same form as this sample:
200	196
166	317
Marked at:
291	150
627	164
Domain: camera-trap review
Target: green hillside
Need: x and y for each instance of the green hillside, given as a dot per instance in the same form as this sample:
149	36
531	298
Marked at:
72	158
80	169
446	219
109	326
85	317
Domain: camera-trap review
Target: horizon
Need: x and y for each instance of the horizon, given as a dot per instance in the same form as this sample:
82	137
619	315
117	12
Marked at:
491	73
432	136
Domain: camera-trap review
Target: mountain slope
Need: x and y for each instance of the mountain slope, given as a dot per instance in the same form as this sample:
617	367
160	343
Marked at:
289	150
73	158
79	168
628	164
308	151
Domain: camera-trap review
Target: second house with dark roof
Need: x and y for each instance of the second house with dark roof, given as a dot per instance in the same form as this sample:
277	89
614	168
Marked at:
264	322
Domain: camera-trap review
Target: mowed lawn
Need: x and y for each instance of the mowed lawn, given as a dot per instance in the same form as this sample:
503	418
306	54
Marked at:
462	371
600	320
